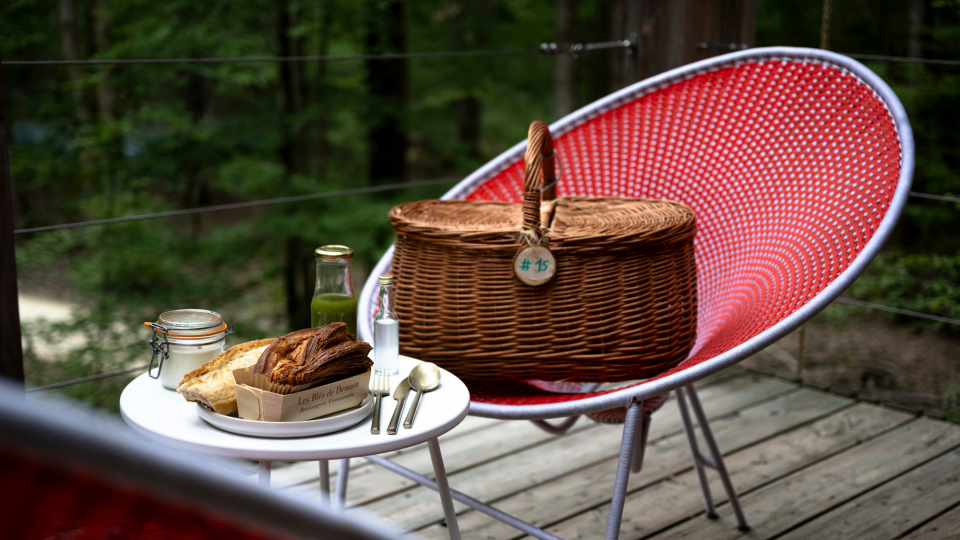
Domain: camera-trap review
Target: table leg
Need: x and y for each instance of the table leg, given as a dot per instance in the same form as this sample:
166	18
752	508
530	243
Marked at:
325	482
342	483
265	474
444	489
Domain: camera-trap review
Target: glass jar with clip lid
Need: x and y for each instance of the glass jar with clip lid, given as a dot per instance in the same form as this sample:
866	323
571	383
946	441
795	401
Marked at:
183	340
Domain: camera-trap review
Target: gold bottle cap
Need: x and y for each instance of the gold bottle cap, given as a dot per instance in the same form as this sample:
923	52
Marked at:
386	280
334	252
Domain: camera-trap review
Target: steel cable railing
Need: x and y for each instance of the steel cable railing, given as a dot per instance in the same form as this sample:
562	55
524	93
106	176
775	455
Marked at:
573	49
545	49
308	197
842	300
248	204
911	59
88	378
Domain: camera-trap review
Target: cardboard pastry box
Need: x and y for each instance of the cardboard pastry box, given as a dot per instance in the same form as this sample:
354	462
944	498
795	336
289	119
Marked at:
259	399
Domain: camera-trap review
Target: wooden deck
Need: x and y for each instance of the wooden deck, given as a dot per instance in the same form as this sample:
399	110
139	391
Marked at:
807	464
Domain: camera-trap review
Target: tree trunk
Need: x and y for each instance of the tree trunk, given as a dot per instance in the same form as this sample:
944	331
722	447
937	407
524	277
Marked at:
387	82
323	101
917	12
564	65
70	46
296	286
197	103
104	92
11	348
291	74
293	154
672	33
618	31
468	107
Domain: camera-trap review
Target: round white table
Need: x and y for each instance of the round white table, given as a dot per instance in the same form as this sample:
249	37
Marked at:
164	416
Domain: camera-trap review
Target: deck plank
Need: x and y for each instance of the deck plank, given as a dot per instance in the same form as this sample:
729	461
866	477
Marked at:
558	457
372	482
778	507
293	474
592	487
807	464
945	527
894	508
665	504
368	484
285	475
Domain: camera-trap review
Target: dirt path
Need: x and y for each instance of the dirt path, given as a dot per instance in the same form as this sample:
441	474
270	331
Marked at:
34	309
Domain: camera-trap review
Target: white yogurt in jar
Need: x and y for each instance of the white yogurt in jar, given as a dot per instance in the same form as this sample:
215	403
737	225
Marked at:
194	337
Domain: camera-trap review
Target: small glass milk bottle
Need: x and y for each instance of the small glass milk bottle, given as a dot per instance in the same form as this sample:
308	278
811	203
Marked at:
333	297
386	330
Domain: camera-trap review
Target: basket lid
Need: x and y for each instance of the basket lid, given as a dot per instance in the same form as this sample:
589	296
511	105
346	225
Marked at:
567	220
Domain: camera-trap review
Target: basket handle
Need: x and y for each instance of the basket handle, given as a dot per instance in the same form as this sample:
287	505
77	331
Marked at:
539	158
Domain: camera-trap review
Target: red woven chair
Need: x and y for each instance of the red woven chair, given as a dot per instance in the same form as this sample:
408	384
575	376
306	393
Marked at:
798	163
64	474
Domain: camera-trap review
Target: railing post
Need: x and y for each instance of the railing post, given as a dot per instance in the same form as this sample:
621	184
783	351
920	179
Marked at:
11	350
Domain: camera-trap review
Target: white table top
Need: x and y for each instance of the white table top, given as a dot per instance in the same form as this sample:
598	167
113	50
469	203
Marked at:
164	416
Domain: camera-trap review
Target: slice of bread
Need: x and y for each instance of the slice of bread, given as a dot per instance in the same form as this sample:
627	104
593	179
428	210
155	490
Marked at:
213	384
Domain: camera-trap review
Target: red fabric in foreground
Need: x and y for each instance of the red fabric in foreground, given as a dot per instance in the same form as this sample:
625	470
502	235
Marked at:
790	166
42	500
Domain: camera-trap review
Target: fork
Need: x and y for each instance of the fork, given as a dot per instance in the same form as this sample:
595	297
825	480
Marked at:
381	387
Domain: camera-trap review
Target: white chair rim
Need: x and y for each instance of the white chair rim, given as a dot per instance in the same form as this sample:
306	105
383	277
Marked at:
624	397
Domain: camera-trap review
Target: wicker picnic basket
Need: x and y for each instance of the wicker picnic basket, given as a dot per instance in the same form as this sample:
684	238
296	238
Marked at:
621	305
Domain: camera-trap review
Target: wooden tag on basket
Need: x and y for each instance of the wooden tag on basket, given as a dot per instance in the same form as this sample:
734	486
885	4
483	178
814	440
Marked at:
534	265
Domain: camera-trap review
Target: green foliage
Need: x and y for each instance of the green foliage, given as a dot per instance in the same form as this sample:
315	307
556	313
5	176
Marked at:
97	142
921	282
920	271
951	402
100	142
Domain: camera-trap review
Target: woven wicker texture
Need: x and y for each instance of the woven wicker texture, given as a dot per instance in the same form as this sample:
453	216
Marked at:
790	165
622	304
46	501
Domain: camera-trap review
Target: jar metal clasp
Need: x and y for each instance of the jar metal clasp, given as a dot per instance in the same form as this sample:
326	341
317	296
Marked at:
160	349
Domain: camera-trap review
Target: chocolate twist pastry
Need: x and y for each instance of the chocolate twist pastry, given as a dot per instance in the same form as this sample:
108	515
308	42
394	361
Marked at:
328	337
281	348
347	358
314	354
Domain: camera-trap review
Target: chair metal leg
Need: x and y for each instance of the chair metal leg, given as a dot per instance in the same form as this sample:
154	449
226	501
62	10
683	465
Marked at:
717	464
342	477
639	447
443	488
698	462
560	429
324	482
630	428
465	499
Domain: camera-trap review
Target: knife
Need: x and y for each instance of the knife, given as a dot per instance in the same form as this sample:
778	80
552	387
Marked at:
400	396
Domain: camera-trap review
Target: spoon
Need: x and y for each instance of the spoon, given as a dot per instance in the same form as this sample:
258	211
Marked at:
423	378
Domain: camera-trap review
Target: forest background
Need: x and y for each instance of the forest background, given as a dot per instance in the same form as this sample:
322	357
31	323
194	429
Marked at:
94	142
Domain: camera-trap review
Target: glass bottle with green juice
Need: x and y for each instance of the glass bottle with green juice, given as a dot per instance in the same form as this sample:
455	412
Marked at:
333	297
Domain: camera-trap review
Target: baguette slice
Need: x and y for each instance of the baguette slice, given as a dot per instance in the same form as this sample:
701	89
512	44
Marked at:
213	384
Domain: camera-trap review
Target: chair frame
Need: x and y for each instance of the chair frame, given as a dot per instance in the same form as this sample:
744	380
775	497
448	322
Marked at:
681	382
68	438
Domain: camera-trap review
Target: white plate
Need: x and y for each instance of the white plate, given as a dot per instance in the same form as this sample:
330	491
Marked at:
285	430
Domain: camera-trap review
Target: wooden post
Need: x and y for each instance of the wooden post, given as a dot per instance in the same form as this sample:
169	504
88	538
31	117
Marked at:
671	33
11	350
